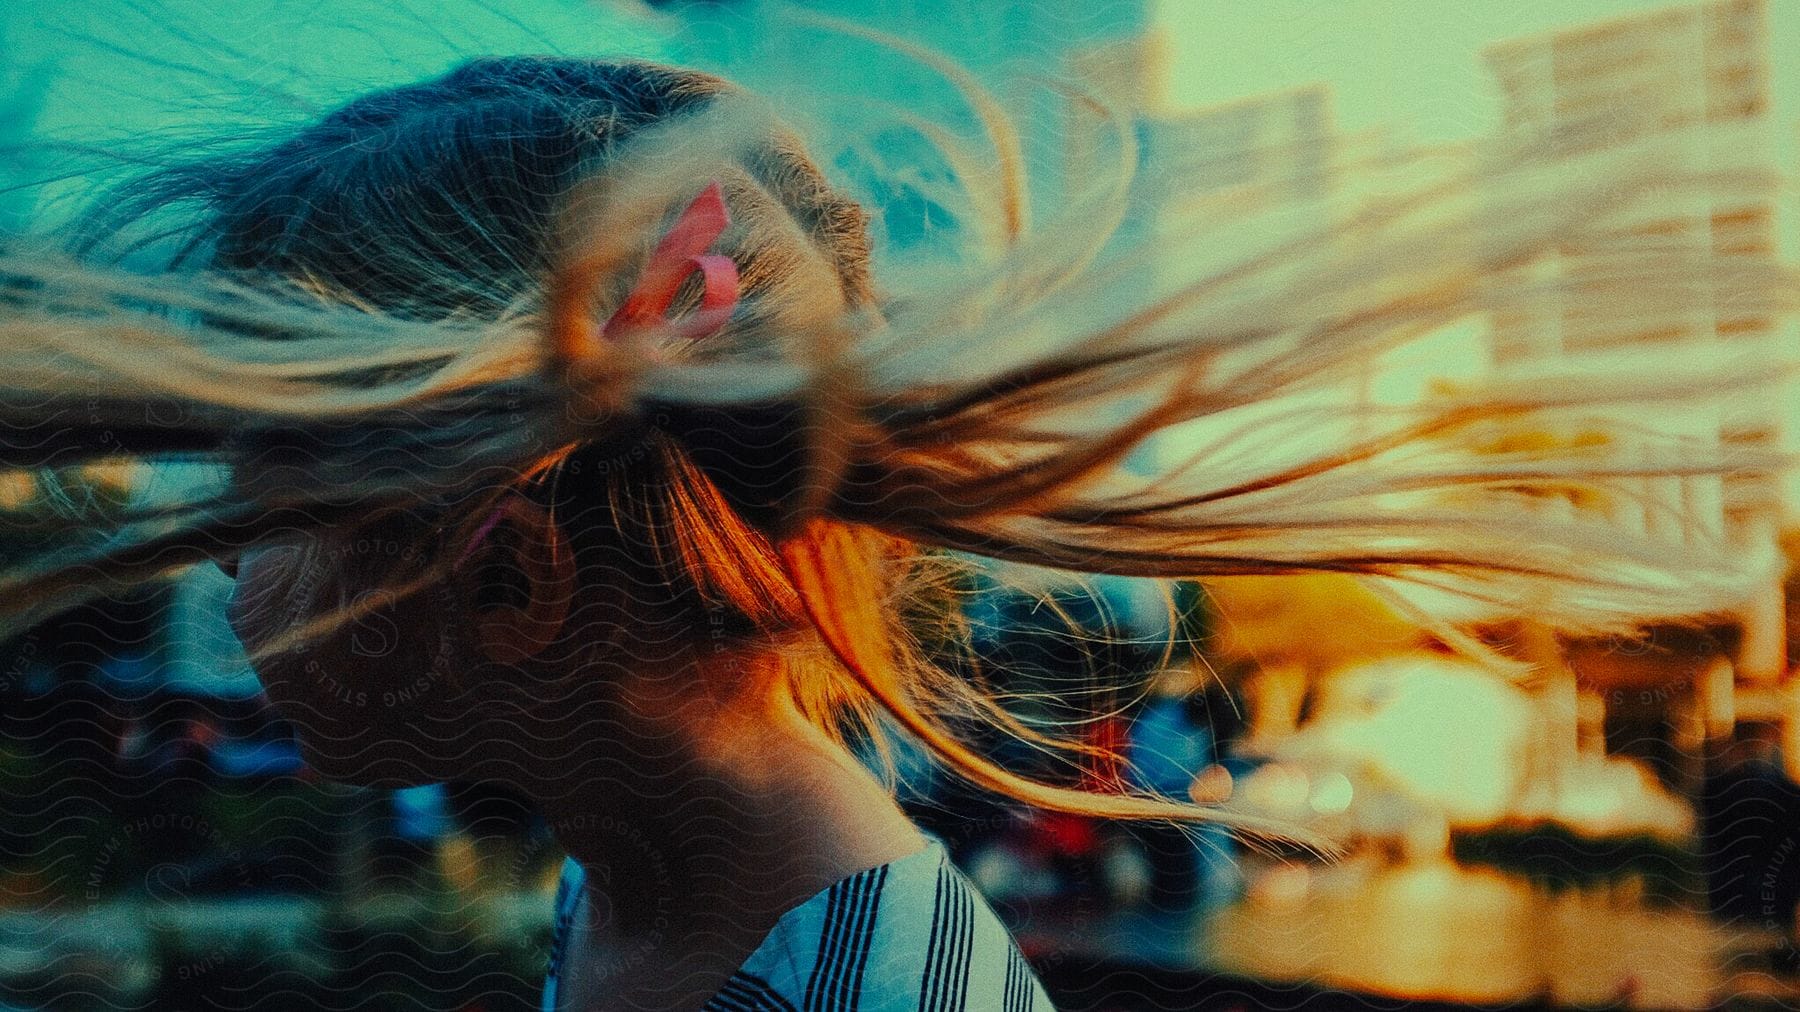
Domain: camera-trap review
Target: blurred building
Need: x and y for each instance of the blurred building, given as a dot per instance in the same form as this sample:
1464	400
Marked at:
1657	74
1618	761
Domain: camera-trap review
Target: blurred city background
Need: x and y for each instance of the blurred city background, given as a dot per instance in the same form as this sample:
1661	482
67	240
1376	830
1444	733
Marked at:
1618	829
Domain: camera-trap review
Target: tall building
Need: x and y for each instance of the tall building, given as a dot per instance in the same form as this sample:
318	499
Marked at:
1654	78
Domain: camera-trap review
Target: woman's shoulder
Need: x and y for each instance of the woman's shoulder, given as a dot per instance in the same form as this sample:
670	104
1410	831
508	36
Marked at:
912	934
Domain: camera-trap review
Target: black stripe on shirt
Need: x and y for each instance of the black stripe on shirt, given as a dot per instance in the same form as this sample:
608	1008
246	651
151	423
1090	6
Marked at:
864	941
1019	991
966	951
850	907
746	992
828	940
945	987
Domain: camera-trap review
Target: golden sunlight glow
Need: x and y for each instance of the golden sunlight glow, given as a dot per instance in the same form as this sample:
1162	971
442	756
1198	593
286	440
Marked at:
1445	734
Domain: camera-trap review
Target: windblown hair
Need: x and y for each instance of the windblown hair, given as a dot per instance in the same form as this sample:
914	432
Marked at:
393	313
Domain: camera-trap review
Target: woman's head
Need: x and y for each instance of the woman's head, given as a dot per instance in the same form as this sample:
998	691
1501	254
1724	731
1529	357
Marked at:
444	196
448	199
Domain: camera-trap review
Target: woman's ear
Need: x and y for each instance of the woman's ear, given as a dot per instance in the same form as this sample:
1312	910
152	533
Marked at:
518	581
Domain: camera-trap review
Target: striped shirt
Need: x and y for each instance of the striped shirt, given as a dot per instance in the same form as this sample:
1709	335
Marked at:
910	935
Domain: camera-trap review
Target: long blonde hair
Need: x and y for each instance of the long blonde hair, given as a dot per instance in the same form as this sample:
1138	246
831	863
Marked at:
319	351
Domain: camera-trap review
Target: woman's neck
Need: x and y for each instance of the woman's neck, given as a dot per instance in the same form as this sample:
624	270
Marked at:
700	818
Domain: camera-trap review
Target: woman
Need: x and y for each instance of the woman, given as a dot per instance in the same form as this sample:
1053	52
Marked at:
562	439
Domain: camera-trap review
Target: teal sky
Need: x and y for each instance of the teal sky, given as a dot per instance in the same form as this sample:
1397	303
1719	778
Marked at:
191	64
1416	60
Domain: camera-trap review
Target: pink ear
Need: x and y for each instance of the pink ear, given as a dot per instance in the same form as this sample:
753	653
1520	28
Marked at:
682	251
717	300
